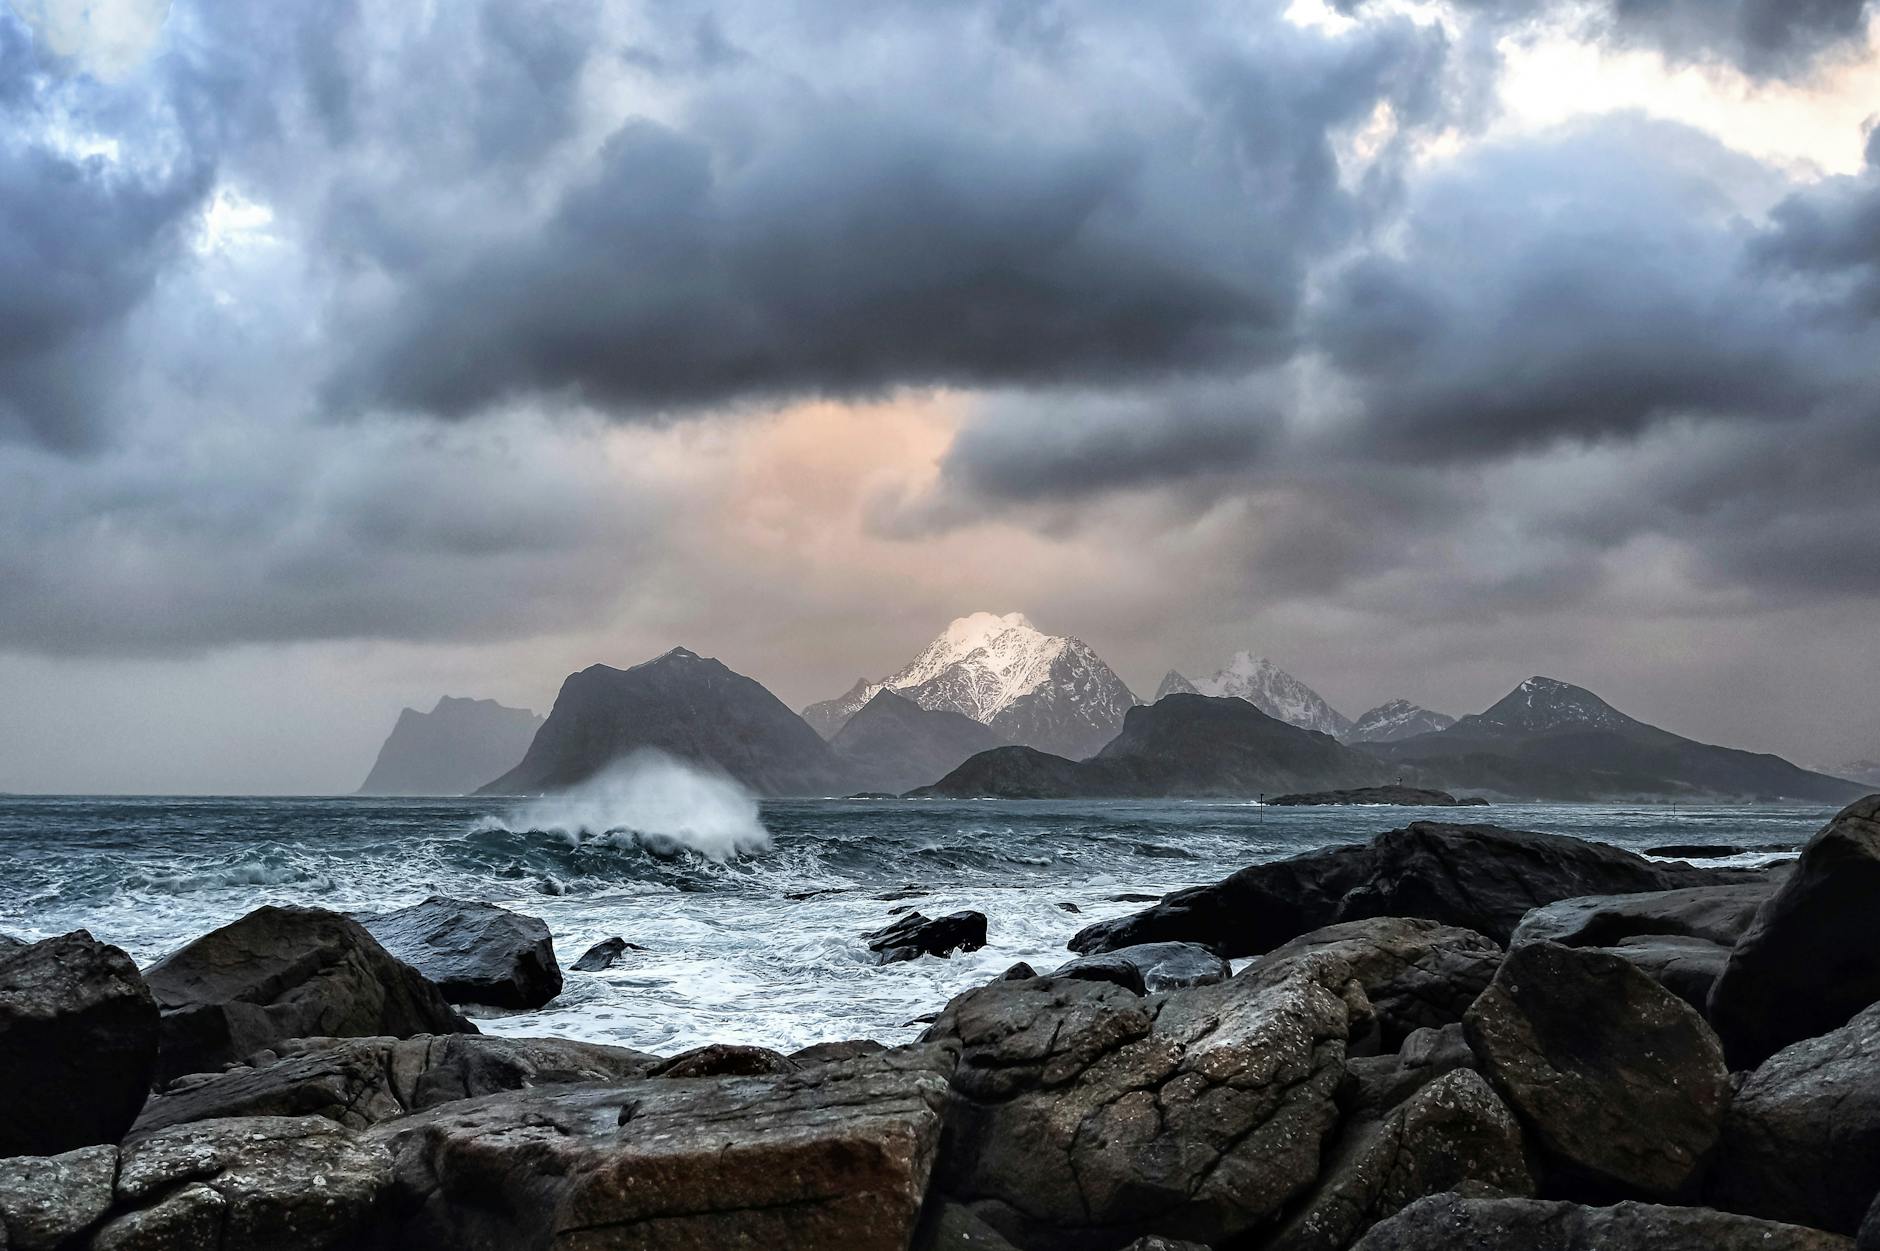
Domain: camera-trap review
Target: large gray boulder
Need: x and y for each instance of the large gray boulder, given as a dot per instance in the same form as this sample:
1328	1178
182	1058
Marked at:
1085	1114
1452	1223
1687	967
1620	1083
283	973
1416	973
1451	1132
46	1202
474	952
1718	914
1801	1141
261	1183
832	1158
78	1044
1151	967
1808	961
1477	877
362	1081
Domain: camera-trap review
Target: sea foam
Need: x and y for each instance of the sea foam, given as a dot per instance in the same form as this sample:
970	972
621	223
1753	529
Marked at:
654	802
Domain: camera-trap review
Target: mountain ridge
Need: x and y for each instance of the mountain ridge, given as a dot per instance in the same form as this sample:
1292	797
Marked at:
1267	687
452	749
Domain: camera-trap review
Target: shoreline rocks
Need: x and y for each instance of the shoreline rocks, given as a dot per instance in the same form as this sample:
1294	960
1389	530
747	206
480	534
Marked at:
475	953
911	936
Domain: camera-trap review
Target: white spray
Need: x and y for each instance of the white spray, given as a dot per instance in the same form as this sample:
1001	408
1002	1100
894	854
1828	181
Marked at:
655	802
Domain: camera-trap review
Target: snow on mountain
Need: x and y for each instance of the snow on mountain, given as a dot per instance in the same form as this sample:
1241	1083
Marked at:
1043	690
1399	718
1540	704
1270	689
1174	683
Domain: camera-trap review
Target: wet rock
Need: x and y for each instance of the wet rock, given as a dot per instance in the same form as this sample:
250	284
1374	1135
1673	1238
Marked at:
1801	1141
1109	967
1018	973
1687	967
723	1060
1086	1113
78	1045
1620	1083
1718	914
1714	851
474	952
1453	1223
46	1201
1416	973
605	954
828	1052
361	1081
1150	967
1808	962
832	1158
261	1183
1478	877
1451	1132
913	936
283	973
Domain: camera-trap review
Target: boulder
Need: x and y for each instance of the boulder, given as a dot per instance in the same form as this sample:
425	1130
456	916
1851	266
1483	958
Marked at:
1453	1223
1620	1084
78	1045
1108	967
1416	973
1085	1114
1451	1132
1687	967
1718	914
1018	973
723	1060
362	1081
1376	1084
47	1201
1801	1141
260	1183
474	952
1151	967
281	973
832	1158
1808	961
1478	877
845	1049
604	954
912	936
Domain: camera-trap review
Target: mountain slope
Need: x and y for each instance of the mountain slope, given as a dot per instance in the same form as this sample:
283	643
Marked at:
1182	746
1267	687
893	744
1548	739
1043	690
686	706
452	749
1397	719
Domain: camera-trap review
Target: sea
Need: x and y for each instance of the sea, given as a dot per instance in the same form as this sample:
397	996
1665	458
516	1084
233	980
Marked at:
752	915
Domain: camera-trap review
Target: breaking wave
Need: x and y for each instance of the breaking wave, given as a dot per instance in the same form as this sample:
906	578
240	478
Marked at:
652	802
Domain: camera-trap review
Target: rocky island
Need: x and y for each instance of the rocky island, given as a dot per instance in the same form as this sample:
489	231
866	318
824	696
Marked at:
1450	1036
1401	796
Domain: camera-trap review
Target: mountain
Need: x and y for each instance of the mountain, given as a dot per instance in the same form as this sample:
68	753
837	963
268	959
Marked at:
1181	746
1397	719
450	750
893	744
1267	687
1042	690
686	706
1548	739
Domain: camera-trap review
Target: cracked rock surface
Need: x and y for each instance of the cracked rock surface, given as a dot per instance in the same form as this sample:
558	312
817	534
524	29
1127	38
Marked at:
1452	1223
835	1156
1085	1114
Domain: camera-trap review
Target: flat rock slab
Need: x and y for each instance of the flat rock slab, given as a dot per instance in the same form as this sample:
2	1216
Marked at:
78	1044
833	1158
1718	914
361	1081
1808	962
1620	1083
1801	1141
475	952
1450	1223
284	973
1085	1113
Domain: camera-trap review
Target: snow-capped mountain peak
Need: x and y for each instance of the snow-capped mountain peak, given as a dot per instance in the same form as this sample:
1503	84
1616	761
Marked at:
1270	689
1397	719
1540	704
1046	690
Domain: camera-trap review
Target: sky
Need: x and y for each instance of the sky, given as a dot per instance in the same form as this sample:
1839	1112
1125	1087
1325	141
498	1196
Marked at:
358	352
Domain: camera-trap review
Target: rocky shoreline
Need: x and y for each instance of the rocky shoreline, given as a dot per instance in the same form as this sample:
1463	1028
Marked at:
1453	1036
